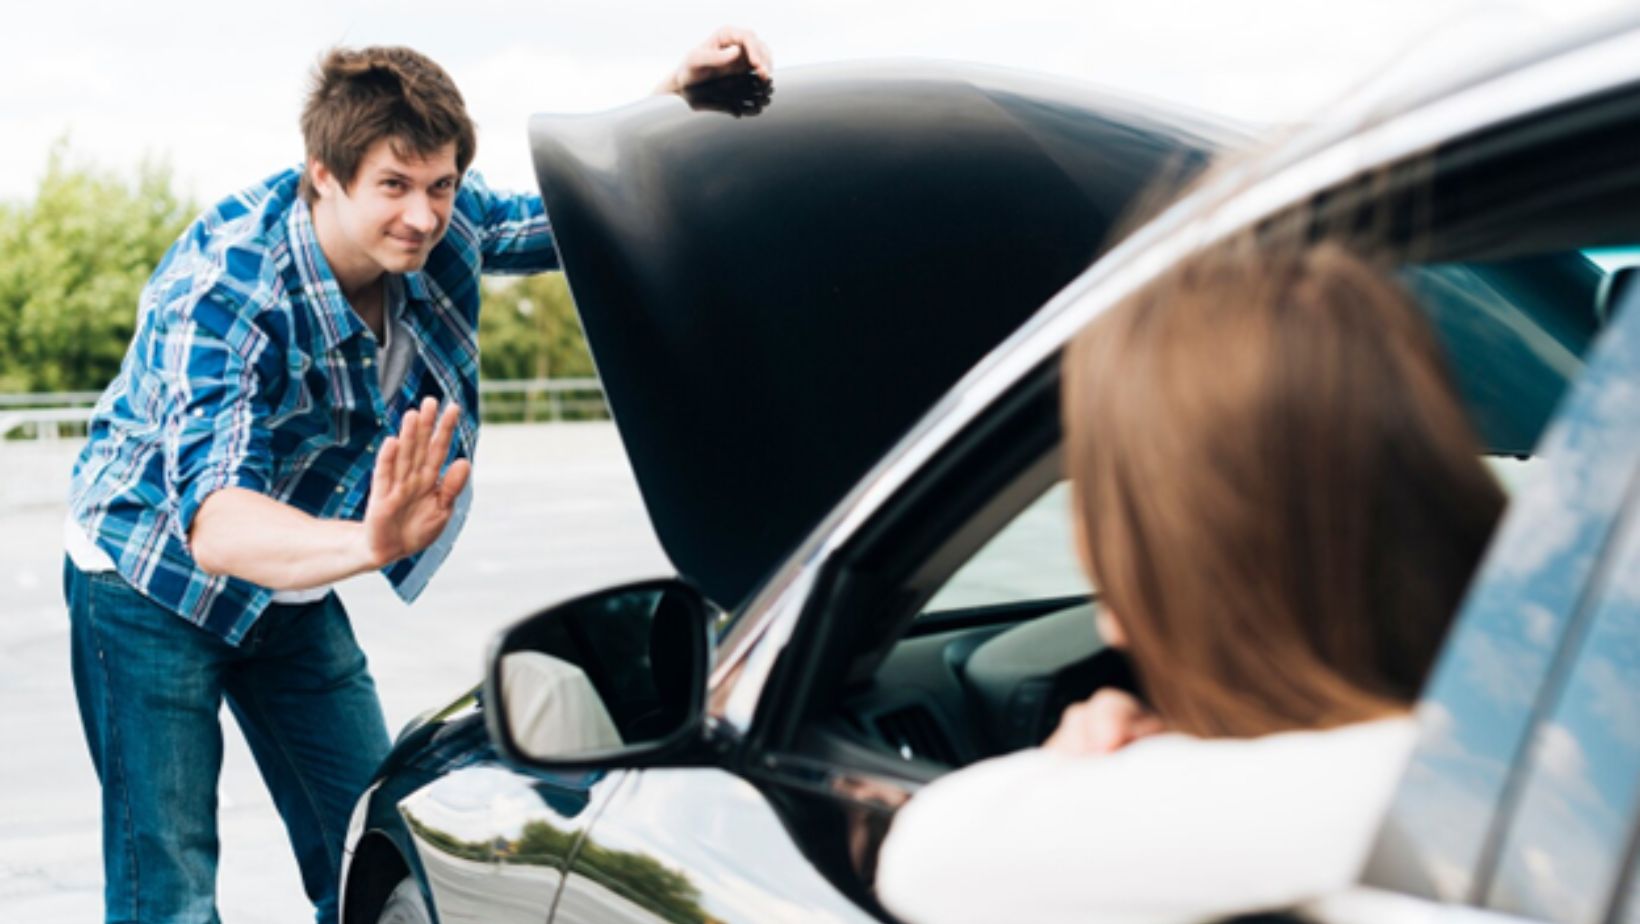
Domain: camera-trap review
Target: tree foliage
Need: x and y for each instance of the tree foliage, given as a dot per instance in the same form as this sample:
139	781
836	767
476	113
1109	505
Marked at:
528	329
72	263
639	877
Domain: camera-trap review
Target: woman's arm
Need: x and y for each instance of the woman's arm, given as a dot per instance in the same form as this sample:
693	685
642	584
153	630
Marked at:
1168	829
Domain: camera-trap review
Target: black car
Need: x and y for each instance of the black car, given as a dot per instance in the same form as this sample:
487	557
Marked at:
829	335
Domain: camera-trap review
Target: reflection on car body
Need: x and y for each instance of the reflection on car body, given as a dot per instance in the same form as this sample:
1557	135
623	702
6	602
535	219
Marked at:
825	439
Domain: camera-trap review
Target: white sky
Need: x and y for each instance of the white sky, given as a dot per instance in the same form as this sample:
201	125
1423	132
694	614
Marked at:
215	87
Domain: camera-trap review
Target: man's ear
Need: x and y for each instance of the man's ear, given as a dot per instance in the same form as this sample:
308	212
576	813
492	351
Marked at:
324	181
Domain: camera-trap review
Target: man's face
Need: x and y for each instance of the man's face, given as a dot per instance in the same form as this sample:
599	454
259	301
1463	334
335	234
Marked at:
395	210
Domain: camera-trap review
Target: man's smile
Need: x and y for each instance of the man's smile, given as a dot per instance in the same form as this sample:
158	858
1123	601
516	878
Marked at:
410	241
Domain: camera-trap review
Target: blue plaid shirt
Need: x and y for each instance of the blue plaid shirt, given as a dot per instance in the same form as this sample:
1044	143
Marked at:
249	369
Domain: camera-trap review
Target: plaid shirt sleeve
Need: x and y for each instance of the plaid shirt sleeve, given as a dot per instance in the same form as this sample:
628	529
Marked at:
215	415
514	236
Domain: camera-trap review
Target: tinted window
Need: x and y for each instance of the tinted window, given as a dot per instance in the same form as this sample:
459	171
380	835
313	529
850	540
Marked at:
1513	332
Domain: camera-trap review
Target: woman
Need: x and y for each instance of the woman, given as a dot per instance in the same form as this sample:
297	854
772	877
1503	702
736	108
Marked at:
1281	502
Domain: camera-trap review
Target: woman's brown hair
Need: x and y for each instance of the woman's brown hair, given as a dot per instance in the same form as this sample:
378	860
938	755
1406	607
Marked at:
1281	499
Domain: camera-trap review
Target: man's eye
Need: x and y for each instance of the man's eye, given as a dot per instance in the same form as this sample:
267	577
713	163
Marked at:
394	185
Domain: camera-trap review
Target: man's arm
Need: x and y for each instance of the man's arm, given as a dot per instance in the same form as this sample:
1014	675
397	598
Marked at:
248	535
513	234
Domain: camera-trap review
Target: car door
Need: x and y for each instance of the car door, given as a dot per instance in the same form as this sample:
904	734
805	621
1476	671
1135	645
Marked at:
490	843
692	845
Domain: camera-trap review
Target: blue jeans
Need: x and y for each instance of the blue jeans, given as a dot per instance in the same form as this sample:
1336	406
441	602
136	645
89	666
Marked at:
150	687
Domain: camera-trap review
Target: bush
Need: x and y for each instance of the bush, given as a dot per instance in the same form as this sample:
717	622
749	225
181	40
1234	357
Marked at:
528	329
72	263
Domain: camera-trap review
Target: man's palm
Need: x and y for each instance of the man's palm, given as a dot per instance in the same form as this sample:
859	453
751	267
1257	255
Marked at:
410	503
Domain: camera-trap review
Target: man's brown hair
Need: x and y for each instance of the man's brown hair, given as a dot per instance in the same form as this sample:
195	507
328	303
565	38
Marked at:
1281	498
362	95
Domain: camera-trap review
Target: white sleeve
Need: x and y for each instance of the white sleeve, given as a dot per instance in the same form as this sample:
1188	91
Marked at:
1168	829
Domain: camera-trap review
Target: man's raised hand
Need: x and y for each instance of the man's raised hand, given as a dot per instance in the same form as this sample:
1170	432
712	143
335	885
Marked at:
726	52
410	503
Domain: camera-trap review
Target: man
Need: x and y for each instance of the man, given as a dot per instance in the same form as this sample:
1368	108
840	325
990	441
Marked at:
276	427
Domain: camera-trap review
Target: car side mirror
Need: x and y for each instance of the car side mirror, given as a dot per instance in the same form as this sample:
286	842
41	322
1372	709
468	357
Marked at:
615	677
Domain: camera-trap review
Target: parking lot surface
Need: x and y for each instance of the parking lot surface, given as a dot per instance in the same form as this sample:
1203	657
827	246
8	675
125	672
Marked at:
555	513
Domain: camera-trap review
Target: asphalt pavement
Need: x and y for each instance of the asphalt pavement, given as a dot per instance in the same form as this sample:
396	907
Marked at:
555	513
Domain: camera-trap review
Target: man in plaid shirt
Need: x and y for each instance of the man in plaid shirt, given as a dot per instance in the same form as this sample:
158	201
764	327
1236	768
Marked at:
298	405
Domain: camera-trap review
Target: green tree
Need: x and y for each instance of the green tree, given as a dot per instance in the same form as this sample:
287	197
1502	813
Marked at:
542	844
72	263
528	329
645	880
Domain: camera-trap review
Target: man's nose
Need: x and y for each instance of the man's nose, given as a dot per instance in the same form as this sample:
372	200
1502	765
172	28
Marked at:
420	215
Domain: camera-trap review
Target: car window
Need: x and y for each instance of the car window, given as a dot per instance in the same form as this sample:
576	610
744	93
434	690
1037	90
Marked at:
1513	331
1575	812
1032	558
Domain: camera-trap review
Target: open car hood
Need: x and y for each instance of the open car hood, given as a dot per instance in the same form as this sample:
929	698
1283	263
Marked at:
773	299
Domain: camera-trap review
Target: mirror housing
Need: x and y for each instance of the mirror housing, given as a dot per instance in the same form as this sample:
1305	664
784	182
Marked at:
614	678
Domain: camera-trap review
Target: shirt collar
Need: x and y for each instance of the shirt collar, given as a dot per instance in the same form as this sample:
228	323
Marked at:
415	287
337	319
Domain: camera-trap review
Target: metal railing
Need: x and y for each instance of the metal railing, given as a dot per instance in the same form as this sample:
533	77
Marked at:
46	423
55	415
532	400
51	399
